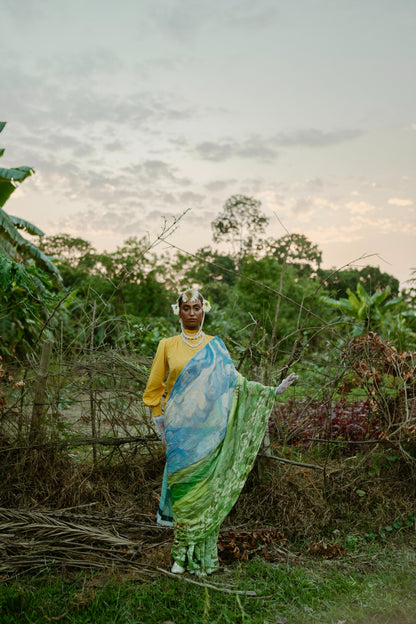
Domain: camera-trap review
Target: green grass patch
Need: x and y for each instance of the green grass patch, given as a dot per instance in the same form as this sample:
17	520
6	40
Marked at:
371	583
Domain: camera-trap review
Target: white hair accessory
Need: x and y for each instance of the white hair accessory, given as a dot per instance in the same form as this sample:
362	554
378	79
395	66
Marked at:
190	296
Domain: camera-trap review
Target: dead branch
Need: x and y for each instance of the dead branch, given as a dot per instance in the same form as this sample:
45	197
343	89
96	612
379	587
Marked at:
293	463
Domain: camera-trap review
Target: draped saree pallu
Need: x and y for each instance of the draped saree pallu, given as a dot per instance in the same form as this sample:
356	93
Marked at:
215	421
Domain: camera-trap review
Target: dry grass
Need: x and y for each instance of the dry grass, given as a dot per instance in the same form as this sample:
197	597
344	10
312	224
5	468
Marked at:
57	511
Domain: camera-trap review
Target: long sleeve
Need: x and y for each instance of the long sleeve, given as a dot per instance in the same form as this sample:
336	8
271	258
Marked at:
156	387
171	357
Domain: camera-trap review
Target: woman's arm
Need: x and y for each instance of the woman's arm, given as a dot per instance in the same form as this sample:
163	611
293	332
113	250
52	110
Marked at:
155	387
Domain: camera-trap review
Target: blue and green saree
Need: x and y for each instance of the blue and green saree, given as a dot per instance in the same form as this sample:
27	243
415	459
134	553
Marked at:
215	421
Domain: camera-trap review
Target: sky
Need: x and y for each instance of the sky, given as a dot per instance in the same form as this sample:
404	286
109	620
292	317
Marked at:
136	113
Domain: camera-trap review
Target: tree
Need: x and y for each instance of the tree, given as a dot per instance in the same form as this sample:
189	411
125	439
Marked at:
12	244
66	248
207	269
371	278
28	278
27	301
240	223
296	249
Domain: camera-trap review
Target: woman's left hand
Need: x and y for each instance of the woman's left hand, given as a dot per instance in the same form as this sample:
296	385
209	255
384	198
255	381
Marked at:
286	383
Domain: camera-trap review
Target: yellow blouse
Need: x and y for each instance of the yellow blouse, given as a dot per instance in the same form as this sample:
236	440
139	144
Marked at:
171	356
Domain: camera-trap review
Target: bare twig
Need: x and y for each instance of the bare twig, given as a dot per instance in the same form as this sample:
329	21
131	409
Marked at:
293	463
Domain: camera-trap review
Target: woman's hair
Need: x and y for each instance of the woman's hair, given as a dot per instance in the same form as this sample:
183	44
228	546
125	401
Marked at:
190	296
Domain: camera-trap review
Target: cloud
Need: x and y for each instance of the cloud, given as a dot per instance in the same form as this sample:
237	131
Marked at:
219	185
59	106
33	10
222	150
302	206
395	201
312	137
84	65
324	202
149	171
344	233
314	184
360	208
385	225
265	149
96	221
184	20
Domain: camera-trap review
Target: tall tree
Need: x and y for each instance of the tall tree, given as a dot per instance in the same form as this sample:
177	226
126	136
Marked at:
296	249
240	223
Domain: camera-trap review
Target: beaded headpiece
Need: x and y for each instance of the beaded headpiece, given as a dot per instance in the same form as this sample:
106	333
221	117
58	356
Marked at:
190	296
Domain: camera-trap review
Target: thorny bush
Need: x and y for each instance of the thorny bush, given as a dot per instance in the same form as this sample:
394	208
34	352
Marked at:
302	422
388	378
375	370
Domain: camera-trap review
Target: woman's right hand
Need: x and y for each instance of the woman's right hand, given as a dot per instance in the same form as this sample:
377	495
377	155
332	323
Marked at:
160	422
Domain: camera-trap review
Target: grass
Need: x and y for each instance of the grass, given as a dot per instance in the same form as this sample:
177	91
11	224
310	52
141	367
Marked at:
372	583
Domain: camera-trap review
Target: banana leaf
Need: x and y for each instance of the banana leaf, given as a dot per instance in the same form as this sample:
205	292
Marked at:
8	179
22	224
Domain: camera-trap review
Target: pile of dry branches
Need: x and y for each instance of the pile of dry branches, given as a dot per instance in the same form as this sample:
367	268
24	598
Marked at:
37	540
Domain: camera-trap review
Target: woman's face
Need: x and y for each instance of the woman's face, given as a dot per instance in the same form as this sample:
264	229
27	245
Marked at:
191	314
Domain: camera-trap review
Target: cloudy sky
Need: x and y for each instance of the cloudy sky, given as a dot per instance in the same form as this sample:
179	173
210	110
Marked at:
133	112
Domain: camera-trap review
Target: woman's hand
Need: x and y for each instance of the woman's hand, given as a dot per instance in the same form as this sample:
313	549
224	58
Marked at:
160	422
286	383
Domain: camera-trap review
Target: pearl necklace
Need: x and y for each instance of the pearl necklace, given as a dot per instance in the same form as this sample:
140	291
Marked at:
200	334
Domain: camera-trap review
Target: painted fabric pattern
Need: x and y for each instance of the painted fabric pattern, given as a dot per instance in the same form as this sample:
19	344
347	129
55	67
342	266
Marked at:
215	421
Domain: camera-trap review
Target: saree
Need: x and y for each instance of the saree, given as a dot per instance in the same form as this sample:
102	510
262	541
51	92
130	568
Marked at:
214	424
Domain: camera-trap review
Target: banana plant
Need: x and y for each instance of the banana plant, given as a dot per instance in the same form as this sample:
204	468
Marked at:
366	312
12	244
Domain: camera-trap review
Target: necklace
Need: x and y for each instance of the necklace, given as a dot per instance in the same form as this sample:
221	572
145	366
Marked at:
199	335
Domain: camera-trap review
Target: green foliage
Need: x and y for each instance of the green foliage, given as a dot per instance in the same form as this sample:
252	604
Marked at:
366	312
125	286
371	278
240	223
28	277
255	297
27	298
210	270
66	249
296	249
12	244
9	179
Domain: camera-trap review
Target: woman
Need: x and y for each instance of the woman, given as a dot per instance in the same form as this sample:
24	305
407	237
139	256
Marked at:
212	421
